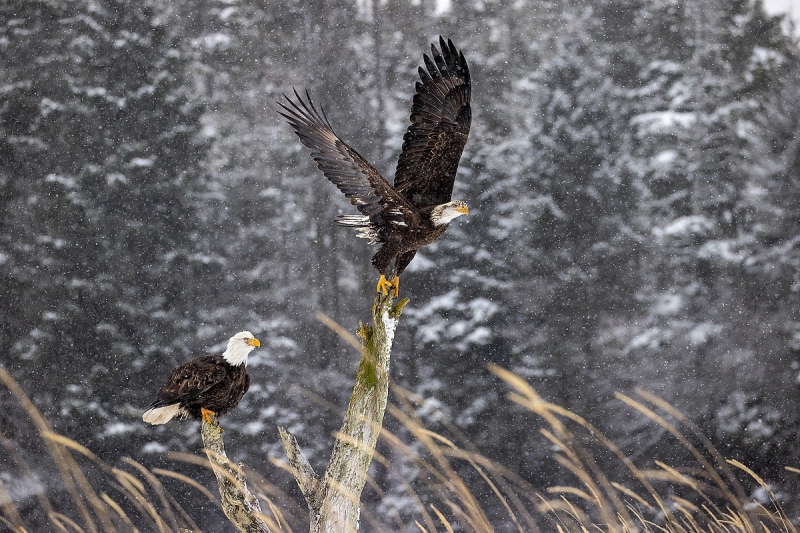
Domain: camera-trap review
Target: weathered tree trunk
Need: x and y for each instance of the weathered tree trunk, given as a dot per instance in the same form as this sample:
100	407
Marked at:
334	500
238	504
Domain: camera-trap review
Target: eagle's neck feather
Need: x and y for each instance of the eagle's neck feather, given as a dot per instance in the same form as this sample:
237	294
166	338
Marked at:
237	353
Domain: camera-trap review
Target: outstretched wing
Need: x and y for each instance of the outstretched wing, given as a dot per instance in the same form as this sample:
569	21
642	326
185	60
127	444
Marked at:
344	167
190	380
440	120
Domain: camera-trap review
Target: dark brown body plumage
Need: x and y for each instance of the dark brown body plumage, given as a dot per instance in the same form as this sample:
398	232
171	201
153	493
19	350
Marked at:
207	382
398	217
402	244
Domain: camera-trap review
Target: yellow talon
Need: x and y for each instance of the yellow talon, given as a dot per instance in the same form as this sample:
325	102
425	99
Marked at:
207	414
384	285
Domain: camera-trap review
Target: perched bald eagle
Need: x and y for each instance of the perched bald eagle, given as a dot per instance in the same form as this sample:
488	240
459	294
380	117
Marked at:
211	385
417	209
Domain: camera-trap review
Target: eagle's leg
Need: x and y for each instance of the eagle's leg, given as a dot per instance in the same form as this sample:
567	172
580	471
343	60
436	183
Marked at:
400	264
385	260
393	283
207	414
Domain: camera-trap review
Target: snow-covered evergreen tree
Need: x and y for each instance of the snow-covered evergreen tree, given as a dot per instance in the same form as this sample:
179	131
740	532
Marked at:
101	169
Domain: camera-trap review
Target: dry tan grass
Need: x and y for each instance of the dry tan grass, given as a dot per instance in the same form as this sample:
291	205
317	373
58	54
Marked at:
706	498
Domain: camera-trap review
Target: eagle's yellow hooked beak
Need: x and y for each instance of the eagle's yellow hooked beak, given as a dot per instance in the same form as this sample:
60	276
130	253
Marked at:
463	210
253	342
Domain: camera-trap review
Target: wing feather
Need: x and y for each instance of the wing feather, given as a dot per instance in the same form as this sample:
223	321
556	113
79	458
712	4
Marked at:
360	182
190	380
440	122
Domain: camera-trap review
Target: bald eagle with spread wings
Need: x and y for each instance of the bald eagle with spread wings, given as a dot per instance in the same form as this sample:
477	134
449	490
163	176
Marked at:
418	208
205	386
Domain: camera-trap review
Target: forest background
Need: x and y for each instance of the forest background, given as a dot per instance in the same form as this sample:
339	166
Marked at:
633	177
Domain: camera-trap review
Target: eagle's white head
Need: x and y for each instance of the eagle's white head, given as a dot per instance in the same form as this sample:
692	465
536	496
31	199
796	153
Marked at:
444	213
239	347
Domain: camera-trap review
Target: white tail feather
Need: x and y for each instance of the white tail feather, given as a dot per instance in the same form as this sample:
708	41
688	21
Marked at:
162	415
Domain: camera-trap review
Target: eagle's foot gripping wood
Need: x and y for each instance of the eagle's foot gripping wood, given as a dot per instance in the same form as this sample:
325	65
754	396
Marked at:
384	286
209	416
